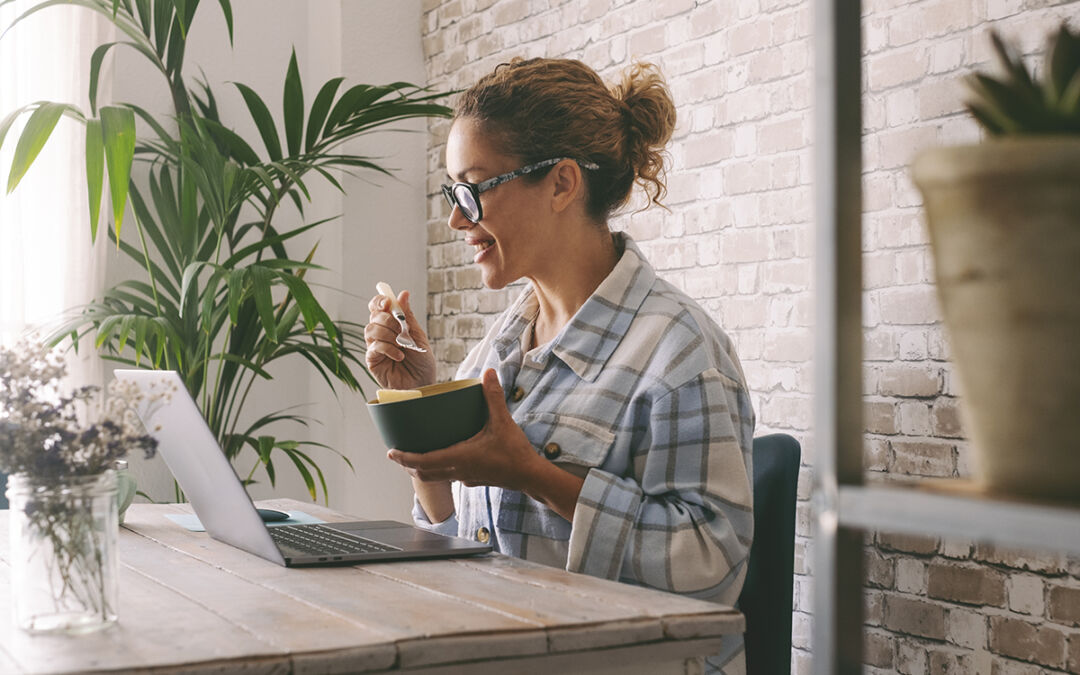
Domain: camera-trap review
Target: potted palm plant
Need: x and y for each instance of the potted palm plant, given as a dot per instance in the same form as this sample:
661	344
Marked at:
223	293
1004	223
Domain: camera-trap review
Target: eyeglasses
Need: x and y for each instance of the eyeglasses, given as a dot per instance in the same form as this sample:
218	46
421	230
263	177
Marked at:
466	196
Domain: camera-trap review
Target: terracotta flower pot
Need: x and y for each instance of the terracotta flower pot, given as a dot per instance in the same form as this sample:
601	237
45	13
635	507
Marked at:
1004	221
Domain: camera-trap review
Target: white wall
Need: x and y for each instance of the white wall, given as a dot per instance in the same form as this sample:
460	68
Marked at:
379	236
385	234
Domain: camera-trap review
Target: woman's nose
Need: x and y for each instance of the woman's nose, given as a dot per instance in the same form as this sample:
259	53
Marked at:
457	221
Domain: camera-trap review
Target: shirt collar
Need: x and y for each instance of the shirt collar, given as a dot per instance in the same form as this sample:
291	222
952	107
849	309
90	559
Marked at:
593	333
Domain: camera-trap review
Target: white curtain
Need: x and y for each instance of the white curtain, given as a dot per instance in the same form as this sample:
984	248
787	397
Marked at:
47	263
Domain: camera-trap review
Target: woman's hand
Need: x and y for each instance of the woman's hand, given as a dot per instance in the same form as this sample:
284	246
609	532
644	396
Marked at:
395	367
499	455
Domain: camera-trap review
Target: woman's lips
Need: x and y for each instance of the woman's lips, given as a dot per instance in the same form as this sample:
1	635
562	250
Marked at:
482	246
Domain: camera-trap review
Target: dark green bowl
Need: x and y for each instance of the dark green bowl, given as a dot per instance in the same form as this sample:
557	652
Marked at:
447	413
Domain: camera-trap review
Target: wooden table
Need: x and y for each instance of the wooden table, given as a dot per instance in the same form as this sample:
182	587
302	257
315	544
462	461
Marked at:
190	604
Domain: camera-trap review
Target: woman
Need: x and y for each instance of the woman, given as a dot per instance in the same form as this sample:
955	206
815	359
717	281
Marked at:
619	432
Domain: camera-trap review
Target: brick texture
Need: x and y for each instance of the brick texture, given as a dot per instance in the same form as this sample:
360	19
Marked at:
1044	645
970	585
1065	605
914	617
738	237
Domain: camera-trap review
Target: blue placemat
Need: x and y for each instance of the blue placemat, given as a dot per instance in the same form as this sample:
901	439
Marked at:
191	522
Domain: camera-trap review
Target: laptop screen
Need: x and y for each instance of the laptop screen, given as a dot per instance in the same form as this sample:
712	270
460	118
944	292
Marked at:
197	462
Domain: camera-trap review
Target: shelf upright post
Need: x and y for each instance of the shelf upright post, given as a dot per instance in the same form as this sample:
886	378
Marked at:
838	426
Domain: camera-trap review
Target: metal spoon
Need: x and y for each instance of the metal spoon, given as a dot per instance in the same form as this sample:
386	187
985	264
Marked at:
403	339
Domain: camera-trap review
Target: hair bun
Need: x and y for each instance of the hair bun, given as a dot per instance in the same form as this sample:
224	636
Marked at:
535	109
649	112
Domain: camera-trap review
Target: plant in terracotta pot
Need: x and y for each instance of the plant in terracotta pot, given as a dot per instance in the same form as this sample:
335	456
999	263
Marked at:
1004	223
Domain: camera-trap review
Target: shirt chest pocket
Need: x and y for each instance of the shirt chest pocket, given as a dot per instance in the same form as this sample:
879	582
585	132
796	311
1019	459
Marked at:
573	443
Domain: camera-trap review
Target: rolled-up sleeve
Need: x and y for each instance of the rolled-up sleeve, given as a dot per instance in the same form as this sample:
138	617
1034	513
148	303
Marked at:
448	527
684	521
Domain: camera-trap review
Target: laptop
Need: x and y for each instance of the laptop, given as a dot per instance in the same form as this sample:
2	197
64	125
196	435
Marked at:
228	514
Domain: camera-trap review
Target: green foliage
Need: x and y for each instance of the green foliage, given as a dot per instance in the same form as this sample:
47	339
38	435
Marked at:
1017	102
224	296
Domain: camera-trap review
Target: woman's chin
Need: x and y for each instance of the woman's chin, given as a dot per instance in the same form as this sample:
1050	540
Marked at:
493	278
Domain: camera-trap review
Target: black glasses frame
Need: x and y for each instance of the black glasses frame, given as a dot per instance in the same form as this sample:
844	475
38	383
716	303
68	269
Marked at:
476	189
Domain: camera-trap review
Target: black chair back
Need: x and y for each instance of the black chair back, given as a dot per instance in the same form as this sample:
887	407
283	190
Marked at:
766	596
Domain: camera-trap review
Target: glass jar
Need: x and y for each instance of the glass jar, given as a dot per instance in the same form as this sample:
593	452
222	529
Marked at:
126	487
63	553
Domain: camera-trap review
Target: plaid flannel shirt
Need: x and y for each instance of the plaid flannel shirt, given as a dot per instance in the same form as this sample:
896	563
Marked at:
641	394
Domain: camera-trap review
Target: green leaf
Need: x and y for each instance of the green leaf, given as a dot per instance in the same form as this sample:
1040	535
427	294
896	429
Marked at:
95	172
263	121
226	9
118	130
105	330
313	312
140	337
145	16
319	110
322	479
190	273
175	46
270	241
293	105
163	242
95	72
292	174
5	124
38	129
208	107
1001	102
238	147
1069	105
1062	63
233	358
288	320
309	481
123	331
354	98
1011	62
984	117
181	15
261	280
330	179
236	293
209	300
154	124
266	446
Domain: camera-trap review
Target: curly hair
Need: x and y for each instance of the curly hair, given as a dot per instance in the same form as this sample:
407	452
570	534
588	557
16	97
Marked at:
536	109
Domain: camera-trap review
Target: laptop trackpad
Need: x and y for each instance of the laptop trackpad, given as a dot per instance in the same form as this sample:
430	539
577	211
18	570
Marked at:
403	536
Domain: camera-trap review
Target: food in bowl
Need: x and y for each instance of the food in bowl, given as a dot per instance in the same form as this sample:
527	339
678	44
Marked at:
431	417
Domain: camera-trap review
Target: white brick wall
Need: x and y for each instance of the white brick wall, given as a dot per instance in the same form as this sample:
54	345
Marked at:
738	237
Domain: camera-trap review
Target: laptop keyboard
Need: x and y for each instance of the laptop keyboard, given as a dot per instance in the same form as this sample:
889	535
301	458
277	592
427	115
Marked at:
322	540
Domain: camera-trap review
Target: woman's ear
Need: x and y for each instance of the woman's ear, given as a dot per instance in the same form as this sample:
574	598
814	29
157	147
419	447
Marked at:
568	184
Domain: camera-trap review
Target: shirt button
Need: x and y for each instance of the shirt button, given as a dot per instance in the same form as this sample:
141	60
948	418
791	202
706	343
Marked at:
552	450
517	394
482	535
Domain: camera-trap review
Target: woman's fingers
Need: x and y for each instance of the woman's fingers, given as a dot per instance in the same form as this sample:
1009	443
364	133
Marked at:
377	351
404	300
379	331
495	397
378	305
425	466
435	460
381	342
